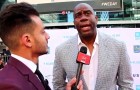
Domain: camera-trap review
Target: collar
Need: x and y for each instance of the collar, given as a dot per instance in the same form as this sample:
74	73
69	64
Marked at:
32	66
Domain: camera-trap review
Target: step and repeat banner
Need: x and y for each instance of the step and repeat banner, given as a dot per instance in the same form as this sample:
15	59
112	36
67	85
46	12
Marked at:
131	36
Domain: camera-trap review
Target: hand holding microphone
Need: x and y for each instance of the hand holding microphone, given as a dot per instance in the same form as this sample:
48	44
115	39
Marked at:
82	58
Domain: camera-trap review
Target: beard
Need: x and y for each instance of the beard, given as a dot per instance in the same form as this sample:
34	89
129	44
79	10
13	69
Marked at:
41	48
44	50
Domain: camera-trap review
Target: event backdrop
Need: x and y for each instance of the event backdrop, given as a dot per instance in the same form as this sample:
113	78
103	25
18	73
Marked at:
131	36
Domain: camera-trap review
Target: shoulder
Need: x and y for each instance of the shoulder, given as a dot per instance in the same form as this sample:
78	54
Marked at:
11	77
8	77
8	72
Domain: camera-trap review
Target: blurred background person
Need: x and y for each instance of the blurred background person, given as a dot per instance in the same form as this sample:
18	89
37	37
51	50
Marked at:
1	62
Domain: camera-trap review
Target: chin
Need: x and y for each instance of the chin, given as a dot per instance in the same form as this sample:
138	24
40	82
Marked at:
43	53
46	52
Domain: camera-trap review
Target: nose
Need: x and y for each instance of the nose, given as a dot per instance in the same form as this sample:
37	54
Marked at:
83	18
47	36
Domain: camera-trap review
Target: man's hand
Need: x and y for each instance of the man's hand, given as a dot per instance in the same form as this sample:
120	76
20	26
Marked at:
72	82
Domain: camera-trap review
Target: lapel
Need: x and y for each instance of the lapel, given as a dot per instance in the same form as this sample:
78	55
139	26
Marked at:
26	72
73	47
102	58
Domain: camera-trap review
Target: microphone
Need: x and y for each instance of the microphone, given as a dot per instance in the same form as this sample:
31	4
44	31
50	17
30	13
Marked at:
82	58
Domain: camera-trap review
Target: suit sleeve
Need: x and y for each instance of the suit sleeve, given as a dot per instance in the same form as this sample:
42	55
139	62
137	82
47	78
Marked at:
59	75
125	80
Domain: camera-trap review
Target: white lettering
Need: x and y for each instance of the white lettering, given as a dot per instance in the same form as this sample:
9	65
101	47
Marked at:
109	3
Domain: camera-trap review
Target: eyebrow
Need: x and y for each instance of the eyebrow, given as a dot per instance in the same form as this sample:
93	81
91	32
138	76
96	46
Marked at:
83	11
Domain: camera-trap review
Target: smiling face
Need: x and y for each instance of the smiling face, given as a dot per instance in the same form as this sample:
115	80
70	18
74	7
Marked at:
85	20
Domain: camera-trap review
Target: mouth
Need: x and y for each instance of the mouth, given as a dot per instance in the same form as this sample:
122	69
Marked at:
86	26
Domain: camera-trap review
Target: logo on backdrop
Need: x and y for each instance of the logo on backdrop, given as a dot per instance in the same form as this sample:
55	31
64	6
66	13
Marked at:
136	48
136	75
135	62
137	87
116	35
137	35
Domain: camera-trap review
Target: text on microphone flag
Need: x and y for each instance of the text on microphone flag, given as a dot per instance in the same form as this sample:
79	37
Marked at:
83	58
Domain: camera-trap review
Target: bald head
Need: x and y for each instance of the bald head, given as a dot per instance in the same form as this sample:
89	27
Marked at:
82	6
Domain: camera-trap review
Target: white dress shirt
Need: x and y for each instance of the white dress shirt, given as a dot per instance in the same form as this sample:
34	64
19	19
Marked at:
90	71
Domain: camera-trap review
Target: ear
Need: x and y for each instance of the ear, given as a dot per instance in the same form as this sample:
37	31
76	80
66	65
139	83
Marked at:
96	18
27	40
74	23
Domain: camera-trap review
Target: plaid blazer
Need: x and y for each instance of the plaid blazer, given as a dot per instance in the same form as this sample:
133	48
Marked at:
113	64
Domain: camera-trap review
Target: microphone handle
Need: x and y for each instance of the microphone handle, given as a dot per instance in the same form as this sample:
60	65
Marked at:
79	69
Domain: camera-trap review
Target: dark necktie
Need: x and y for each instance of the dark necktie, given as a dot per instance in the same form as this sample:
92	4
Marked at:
44	82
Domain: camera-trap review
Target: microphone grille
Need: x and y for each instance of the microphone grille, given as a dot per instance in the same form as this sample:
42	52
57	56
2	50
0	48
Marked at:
83	49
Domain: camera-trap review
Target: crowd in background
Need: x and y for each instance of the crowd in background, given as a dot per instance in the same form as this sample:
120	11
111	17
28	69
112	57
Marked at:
4	56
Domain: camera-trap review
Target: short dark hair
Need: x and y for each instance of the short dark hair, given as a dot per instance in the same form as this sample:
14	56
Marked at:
15	19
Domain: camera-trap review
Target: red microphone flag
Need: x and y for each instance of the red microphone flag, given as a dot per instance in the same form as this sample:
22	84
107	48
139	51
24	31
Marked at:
83	58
